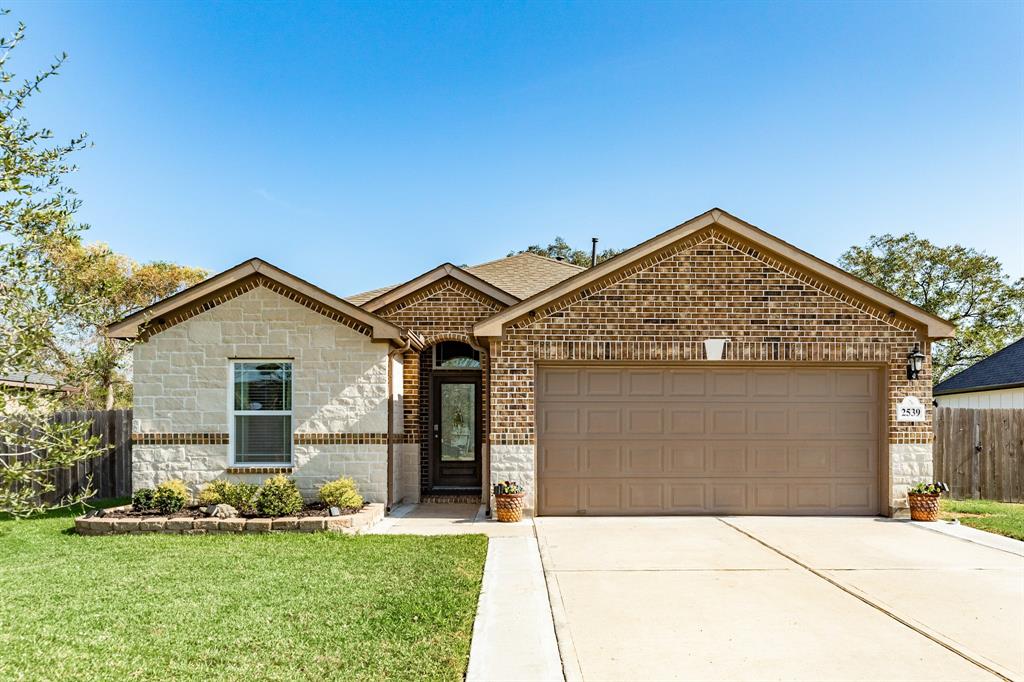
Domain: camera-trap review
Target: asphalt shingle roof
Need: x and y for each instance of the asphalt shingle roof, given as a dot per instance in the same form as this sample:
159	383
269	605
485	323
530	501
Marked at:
1002	368
521	275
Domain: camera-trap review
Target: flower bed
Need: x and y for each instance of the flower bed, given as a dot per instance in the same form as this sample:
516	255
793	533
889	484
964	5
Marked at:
122	520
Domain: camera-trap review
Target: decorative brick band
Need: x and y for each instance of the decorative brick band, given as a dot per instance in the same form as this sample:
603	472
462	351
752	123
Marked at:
298	438
511	439
919	438
261	470
180	438
776	351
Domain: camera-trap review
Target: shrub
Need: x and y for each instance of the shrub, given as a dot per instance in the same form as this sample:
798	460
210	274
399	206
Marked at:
341	493
170	496
142	500
241	496
278	497
214	492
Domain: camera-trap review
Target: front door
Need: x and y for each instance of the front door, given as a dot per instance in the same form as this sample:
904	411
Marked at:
455	445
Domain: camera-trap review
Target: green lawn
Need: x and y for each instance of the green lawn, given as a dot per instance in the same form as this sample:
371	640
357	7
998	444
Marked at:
996	517
225	607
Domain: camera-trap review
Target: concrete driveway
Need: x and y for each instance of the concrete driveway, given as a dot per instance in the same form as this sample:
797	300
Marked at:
757	598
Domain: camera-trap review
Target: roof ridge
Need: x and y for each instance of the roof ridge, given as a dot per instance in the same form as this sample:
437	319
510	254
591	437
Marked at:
526	253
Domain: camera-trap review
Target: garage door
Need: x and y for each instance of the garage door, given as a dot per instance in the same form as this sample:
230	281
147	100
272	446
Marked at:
677	440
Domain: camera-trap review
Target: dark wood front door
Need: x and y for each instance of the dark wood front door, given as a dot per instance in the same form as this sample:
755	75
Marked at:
455	430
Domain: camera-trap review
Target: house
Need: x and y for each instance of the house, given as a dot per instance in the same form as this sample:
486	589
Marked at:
593	387
997	382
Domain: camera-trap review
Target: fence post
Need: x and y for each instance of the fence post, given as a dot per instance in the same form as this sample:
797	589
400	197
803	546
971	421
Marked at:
976	457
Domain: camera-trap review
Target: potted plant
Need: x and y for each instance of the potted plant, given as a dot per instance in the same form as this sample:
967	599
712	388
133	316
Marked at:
924	500
508	501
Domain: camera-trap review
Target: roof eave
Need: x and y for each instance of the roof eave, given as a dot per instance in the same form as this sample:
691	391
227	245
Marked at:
978	389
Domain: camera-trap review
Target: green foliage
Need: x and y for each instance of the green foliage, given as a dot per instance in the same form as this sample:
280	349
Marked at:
507	488
170	496
241	496
402	610
1004	518
923	488
341	493
957	283
278	497
560	250
36	209
214	492
142	500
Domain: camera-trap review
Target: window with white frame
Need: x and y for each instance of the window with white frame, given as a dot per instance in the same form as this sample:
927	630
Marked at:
261	406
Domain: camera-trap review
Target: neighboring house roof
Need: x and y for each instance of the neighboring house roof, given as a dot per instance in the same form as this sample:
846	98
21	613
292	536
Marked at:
934	326
205	293
1002	369
435	275
34	380
521	275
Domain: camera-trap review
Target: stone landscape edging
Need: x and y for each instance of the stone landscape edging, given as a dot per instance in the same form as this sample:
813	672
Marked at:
350	524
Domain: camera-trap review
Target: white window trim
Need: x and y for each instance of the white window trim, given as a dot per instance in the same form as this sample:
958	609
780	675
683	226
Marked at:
232	412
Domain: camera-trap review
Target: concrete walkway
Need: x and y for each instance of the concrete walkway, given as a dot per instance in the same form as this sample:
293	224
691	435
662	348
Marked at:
758	598
513	635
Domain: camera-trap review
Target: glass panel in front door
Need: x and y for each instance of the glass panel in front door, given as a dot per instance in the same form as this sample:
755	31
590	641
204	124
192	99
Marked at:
458	422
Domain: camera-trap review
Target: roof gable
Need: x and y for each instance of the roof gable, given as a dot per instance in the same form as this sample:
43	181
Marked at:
430	277
1002	369
243	277
520	276
935	327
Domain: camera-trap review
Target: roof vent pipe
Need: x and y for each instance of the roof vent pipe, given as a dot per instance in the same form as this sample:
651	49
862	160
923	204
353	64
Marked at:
593	251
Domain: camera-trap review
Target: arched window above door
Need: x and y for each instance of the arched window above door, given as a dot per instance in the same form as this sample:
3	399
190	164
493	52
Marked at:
456	355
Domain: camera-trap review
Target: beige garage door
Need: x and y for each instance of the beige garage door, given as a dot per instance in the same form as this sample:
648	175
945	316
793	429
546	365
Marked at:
678	440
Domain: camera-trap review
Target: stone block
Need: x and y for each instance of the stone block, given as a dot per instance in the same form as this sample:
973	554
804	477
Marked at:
125	525
179	524
152	523
234	525
285	523
311	524
258	525
207	523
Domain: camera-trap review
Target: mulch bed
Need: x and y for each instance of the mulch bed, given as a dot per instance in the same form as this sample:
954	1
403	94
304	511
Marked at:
315	509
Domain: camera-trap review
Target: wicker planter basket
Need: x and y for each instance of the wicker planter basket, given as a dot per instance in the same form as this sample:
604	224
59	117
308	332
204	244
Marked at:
509	508
924	507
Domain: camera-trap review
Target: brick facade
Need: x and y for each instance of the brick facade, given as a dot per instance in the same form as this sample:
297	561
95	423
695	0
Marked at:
710	284
445	310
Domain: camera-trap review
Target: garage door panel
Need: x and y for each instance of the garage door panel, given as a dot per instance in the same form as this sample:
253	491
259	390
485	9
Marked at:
686	421
685	383
645	460
686	458
603	420
605	383
646	440
646	421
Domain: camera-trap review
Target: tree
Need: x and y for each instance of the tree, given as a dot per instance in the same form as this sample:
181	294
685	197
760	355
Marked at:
957	283
117	285
36	208
560	250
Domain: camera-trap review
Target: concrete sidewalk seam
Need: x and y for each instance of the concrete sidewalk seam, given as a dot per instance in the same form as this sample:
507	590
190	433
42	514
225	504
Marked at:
571	670
936	637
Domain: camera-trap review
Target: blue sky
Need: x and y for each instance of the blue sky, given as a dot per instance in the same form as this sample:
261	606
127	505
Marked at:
358	145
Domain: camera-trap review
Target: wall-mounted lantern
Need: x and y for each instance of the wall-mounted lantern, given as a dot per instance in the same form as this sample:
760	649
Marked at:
915	362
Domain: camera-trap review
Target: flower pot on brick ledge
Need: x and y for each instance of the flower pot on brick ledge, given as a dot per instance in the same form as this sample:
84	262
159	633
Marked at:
508	501
924	501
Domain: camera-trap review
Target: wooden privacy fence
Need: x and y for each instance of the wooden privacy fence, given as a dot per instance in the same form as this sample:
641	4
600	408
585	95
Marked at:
980	453
111	472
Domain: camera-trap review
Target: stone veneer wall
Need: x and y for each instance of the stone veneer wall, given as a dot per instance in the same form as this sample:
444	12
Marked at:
339	395
443	311
664	306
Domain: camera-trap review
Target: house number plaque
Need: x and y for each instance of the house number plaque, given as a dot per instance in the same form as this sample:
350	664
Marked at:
910	409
